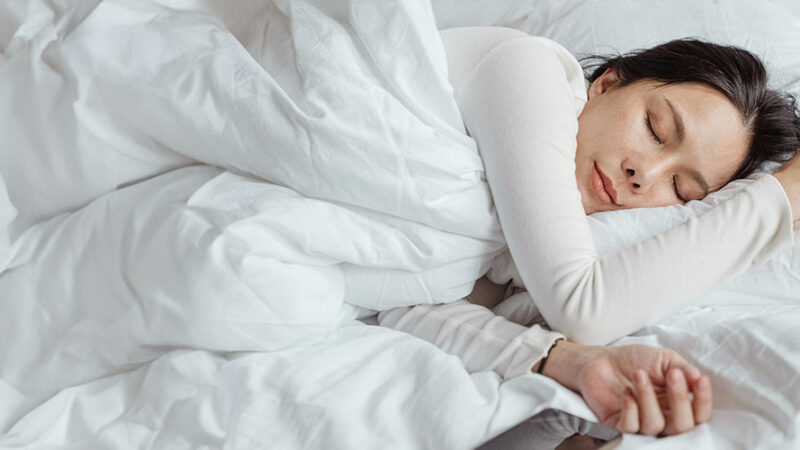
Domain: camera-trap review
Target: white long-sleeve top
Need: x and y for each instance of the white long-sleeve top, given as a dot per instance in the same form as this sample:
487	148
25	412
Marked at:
520	97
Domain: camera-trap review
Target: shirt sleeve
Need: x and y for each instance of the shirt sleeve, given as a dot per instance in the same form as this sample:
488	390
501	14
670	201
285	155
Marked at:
518	101
480	338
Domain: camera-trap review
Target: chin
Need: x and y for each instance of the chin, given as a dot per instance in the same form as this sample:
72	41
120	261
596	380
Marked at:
589	203
591	208
599	207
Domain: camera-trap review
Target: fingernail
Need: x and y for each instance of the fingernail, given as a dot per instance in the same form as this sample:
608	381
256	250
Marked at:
675	376
641	378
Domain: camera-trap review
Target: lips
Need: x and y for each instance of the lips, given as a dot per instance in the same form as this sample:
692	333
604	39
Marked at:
603	187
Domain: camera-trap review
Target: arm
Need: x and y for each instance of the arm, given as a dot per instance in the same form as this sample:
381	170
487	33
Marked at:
483	340
519	104
604	376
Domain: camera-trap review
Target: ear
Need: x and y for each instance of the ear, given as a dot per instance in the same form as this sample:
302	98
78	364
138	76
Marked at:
603	83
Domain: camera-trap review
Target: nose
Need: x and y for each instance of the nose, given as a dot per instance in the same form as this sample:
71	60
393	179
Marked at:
645	172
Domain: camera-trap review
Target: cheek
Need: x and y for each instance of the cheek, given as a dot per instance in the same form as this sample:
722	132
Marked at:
627	127
613	131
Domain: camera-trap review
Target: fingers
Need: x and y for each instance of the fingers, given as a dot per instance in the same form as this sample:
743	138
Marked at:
651	419
681	417
629	419
700	388
691	372
701	404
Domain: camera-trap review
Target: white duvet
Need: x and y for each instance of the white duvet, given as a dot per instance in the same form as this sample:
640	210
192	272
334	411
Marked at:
198	198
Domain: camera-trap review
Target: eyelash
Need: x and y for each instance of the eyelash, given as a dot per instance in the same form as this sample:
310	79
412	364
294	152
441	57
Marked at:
655	136
652	131
677	194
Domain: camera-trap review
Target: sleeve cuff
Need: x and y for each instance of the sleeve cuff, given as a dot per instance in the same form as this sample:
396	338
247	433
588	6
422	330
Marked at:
531	347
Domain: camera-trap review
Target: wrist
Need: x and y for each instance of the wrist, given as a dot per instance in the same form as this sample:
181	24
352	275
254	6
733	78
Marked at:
565	361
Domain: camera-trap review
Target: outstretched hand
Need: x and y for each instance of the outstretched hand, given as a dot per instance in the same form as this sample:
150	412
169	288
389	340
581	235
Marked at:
634	388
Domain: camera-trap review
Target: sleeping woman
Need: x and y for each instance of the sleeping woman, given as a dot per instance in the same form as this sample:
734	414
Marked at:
657	127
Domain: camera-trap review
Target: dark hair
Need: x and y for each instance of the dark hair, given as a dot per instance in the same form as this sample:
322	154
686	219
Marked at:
770	117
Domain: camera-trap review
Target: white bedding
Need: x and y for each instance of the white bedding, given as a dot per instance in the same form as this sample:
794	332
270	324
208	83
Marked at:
161	333
147	300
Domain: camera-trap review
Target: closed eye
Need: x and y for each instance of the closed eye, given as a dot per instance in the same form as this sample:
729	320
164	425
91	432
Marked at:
675	187
652	131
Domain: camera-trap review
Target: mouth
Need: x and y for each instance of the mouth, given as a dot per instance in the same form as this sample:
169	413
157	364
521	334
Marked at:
603	187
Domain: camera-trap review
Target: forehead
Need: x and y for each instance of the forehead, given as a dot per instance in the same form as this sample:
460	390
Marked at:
716	138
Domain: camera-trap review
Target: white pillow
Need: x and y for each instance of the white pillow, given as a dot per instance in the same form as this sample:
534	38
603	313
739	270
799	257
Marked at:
769	29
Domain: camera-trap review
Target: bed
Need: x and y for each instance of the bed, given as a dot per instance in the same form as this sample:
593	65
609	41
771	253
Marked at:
189	260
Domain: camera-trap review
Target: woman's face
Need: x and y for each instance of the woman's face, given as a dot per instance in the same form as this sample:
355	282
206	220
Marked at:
648	144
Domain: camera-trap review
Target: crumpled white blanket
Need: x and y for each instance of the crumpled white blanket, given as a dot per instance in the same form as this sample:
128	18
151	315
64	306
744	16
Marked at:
150	326
133	277
150	300
144	87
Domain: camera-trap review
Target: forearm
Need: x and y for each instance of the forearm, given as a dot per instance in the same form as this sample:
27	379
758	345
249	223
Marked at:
481	339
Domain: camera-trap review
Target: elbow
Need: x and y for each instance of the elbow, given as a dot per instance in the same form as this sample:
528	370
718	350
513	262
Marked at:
585	315
584	332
